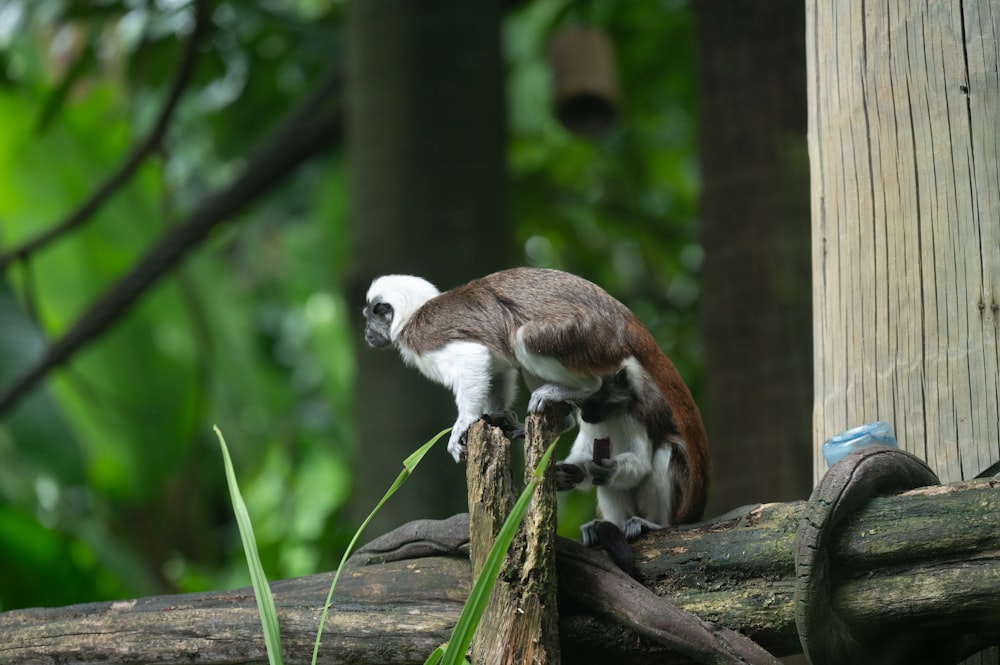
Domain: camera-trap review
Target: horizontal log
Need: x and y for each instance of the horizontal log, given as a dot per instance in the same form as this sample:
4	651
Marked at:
926	559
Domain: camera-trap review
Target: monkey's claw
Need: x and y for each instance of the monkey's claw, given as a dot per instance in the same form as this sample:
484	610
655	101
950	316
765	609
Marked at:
635	526
507	421
457	446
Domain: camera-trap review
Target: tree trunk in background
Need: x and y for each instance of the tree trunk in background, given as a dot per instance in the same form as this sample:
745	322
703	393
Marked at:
904	106
426	140
754	210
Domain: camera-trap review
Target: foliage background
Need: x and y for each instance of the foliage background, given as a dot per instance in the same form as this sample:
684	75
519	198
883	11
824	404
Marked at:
110	481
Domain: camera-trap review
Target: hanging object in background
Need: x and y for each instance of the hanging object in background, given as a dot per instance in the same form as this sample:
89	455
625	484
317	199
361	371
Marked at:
584	79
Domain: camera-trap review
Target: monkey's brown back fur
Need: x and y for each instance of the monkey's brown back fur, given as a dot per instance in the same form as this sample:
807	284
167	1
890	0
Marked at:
562	315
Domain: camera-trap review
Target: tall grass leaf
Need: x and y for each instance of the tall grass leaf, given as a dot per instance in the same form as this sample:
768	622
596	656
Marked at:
435	656
472	613
409	464
261	589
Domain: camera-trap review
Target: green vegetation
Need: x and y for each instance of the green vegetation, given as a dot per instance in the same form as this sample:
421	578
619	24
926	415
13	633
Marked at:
111	485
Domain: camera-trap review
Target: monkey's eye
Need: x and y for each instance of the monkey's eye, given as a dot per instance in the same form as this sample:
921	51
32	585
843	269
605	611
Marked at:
382	310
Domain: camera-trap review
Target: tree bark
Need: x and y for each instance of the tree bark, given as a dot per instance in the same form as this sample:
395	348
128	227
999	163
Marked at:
923	561
520	624
428	196
754	215
904	105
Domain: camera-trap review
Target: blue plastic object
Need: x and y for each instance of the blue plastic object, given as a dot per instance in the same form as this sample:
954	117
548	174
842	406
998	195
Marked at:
878	433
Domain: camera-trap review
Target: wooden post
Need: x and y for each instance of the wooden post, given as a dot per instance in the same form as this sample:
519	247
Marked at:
904	106
521	621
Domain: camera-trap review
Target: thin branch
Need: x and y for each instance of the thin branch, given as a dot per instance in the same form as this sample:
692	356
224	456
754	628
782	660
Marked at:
311	129
135	158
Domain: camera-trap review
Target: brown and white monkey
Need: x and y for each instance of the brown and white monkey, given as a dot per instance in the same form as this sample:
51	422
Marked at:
658	469
565	334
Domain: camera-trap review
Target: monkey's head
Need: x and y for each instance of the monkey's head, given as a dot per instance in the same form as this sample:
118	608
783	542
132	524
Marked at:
615	392
391	301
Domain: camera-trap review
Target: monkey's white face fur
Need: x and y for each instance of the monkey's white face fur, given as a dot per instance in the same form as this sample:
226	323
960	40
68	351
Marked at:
392	300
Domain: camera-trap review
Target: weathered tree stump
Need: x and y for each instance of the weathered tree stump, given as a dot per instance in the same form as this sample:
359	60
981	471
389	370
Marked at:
521	622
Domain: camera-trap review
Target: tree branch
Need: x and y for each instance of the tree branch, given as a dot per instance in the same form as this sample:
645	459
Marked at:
310	130
922	563
151	142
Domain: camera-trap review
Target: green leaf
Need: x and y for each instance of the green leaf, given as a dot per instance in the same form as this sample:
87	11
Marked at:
409	464
261	589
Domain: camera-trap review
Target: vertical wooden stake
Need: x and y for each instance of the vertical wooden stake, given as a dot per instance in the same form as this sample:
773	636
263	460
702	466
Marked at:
521	621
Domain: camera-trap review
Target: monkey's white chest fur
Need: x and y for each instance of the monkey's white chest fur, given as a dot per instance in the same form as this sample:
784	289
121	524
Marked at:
481	381
452	365
641	483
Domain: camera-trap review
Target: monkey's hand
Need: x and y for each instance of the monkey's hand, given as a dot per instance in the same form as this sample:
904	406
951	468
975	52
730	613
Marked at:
602	472
568	476
459	438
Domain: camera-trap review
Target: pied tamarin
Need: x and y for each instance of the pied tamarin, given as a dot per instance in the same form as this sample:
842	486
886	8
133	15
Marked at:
572	341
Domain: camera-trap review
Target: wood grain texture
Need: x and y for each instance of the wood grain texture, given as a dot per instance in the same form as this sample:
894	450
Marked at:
904	106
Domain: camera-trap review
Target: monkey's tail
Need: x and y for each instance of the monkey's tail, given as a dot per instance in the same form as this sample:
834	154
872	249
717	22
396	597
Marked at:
697	465
692	487
612	539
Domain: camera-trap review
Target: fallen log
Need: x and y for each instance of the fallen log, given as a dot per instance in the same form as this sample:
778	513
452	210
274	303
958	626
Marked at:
925	561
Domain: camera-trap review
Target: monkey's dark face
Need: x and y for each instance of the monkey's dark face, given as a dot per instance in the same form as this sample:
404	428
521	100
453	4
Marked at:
378	321
615	393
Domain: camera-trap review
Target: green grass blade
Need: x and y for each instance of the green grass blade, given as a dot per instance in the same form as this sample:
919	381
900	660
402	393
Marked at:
409	464
472	613
435	656
261	589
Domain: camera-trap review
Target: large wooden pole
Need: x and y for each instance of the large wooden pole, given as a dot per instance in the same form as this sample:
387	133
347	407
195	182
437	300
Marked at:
904	111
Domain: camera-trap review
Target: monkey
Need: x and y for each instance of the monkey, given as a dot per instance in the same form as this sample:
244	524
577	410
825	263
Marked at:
658	470
564	333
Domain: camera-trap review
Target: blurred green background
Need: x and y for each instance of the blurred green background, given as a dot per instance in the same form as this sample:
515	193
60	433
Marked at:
111	484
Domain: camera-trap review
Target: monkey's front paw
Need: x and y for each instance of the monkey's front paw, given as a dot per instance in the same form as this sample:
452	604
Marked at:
568	476
635	526
457	445
601	472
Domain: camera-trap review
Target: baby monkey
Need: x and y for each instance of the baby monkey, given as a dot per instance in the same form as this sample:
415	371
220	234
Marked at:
650	478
